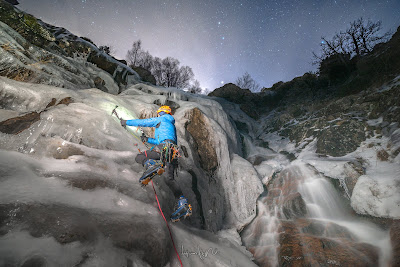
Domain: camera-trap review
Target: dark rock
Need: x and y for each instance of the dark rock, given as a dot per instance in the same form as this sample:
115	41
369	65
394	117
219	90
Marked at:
294	206
123	61
25	24
233	93
87	40
20	74
198	197
321	228
58	41
60	151
290	156
184	150
100	84
35	261
395	240
262	143
100	60
282	190
198	127
51	103
353	170
119	73
19	124
341	139
242	127
145	75
380	103
65	101
337	67
302	249
13	2
89	184
256	160
382	155
249	109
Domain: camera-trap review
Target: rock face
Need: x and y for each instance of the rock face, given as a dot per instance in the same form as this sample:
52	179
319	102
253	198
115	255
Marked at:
18	124
145	75
299	248
34	51
341	140
237	95
233	93
197	127
395	240
228	201
13	2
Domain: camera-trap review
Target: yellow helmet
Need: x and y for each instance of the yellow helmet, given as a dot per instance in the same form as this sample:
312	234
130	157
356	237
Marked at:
165	109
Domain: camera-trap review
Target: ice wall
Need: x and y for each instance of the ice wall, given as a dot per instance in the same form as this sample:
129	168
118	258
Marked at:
69	181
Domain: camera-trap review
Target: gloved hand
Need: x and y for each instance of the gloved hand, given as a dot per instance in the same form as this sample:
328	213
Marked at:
123	123
144	138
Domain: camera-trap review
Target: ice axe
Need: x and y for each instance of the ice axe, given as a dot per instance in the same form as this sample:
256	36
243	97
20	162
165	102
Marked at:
114	112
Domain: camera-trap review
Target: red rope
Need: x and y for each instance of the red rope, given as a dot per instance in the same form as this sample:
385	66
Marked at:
172	239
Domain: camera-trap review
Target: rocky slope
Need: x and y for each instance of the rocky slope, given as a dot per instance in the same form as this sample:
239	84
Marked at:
34	51
329	164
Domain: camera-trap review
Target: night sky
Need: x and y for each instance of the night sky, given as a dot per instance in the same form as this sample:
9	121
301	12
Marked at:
219	39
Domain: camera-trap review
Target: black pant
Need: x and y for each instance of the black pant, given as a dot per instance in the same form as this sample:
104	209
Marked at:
170	170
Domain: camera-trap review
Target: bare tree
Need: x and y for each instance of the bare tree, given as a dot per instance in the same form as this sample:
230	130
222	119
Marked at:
368	35
195	88
169	71
358	39
353	35
146	60
157	70
247	82
185	75
132	56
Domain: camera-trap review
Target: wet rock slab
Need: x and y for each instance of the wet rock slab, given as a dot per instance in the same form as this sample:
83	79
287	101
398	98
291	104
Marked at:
304	248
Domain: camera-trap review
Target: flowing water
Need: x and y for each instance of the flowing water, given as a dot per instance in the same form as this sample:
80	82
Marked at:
321	203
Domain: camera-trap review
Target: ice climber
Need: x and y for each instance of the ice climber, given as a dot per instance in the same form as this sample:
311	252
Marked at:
156	162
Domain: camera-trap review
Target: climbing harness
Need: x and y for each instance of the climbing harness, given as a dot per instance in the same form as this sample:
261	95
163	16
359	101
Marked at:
166	222
169	152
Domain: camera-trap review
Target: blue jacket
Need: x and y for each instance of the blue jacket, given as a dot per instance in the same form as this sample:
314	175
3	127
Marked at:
165	128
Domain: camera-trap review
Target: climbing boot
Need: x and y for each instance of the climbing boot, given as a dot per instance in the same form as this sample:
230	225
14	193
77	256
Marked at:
153	168
182	210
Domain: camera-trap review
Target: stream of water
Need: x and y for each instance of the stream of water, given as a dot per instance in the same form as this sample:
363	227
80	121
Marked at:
323	204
